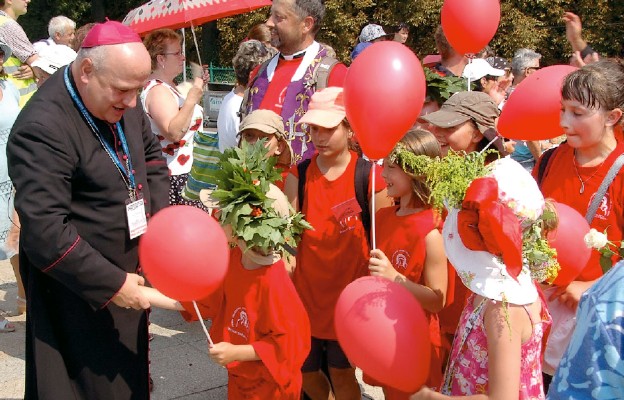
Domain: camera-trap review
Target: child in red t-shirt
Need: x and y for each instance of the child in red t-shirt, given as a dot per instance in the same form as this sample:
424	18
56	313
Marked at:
259	325
266	124
410	246
335	253
591	113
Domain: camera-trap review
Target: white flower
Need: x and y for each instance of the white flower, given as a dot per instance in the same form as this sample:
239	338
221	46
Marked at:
517	189
595	240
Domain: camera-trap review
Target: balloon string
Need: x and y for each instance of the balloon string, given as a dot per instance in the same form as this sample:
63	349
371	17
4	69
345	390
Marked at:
489	144
469	62
201	321
372	232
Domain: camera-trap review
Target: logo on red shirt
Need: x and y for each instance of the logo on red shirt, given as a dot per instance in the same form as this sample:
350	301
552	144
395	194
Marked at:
347	214
239	323
400	259
604	208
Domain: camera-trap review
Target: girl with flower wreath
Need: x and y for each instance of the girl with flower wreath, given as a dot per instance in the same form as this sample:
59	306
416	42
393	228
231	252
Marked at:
410	249
259	324
494	235
466	123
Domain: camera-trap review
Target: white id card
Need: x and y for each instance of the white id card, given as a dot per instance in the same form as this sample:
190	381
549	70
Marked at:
137	222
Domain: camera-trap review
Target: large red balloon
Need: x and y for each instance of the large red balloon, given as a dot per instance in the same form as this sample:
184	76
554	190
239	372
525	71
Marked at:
568	240
184	253
469	25
384	91
532	111
383	330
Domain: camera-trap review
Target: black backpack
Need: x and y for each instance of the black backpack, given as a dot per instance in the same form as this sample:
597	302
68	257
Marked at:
362	173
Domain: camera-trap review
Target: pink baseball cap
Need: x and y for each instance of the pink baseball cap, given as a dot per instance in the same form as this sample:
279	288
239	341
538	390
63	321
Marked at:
110	32
326	108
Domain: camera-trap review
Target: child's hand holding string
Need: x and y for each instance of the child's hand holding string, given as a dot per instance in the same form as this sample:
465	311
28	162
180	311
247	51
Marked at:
379	265
224	353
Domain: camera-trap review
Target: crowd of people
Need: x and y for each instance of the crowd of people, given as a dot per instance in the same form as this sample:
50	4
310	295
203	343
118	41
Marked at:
85	162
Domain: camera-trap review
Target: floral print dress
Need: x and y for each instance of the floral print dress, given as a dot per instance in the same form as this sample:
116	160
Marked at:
467	372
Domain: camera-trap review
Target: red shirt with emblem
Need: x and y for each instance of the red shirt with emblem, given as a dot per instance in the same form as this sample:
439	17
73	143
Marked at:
284	71
561	183
260	307
402	239
335	252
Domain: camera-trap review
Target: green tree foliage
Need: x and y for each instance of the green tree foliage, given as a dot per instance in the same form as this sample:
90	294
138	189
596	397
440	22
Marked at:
524	23
35	22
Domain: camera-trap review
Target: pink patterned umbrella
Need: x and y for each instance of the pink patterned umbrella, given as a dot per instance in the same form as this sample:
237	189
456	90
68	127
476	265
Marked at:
176	14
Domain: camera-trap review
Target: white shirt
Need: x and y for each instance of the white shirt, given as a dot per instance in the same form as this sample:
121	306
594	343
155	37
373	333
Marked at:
228	121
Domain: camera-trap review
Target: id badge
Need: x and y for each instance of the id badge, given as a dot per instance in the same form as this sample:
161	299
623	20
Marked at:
137	221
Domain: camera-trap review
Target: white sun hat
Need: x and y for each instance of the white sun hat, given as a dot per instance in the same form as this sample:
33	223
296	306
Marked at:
481	271
478	68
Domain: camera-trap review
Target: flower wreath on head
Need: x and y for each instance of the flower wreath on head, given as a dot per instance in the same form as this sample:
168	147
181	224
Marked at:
496	208
245	193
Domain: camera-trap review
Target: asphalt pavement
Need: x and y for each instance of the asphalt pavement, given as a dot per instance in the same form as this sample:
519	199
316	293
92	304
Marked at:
180	366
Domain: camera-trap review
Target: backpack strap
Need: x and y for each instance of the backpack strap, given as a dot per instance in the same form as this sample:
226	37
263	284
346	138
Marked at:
604	185
242	111
302	168
543	163
323	70
362	174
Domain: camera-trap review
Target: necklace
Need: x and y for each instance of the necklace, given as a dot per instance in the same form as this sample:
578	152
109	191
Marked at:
582	190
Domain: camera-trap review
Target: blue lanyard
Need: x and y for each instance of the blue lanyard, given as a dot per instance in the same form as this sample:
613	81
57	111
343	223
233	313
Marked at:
126	173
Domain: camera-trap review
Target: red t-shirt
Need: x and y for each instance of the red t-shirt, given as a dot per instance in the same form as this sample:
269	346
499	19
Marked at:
274	97
561	183
336	252
402	239
260	307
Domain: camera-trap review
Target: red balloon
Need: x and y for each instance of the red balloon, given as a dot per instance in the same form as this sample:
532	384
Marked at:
384	91
568	240
469	25
532	111
184	253
384	331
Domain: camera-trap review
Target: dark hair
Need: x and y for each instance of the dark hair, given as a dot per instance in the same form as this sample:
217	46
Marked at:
444	47
597	85
310	8
260	32
80	35
478	87
486	52
250	54
402	25
156	43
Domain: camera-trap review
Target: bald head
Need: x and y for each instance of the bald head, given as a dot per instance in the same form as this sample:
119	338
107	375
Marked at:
109	77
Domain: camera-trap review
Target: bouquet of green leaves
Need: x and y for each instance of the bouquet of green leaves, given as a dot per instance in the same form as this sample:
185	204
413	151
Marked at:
243	181
440	88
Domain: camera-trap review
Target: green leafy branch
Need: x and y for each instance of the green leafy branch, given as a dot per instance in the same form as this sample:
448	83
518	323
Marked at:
243	182
440	88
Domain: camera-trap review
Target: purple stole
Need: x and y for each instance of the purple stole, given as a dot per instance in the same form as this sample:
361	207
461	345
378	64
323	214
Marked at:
296	101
